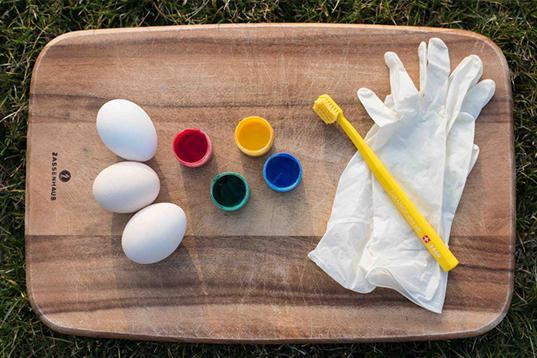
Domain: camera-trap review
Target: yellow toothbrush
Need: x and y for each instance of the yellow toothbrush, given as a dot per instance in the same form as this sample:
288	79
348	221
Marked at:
327	109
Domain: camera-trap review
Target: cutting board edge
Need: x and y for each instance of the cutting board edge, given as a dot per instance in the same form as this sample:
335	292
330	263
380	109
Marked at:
427	29
65	329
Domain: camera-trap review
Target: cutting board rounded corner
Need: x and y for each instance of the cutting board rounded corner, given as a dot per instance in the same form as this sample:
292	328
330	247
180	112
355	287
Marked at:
55	325
486	40
53	43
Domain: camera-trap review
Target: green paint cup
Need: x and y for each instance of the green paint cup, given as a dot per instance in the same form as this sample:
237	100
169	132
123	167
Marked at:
229	191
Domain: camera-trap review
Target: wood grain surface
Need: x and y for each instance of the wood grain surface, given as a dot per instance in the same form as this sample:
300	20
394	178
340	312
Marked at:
244	277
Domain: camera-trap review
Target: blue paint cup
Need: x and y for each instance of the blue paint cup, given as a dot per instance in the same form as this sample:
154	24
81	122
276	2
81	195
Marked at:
282	172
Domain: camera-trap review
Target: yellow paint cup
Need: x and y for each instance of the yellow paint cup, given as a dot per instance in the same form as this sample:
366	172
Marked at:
254	136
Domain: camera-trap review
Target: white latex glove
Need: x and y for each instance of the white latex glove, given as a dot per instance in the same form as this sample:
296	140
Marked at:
412	136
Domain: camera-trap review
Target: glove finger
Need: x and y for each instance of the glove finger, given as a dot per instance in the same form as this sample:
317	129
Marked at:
371	137
422	54
473	159
377	110
405	94
388	101
452	196
478	96
460	158
438	69
461	80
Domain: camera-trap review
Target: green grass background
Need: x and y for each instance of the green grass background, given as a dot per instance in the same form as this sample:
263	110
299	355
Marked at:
26	26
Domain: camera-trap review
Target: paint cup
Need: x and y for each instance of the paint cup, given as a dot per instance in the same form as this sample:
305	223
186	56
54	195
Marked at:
229	191
254	136
192	147
282	172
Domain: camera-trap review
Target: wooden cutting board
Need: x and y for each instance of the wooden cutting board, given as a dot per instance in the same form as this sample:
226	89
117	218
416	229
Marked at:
244	277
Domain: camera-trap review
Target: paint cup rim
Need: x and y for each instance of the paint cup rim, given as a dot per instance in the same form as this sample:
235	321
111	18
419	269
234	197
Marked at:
266	147
244	199
279	188
203	159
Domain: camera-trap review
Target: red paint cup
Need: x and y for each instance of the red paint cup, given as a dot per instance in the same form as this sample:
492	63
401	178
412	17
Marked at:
192	147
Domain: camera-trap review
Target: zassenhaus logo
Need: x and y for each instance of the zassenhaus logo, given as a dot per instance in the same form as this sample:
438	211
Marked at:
63	176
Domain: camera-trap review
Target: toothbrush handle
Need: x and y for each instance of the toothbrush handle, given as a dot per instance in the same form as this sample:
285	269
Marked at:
428	236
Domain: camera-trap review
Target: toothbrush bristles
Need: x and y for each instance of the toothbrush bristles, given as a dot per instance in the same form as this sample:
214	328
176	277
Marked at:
327	109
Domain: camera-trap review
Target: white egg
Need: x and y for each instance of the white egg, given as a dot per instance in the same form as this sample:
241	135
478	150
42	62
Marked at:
127	130
126	187
154	233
